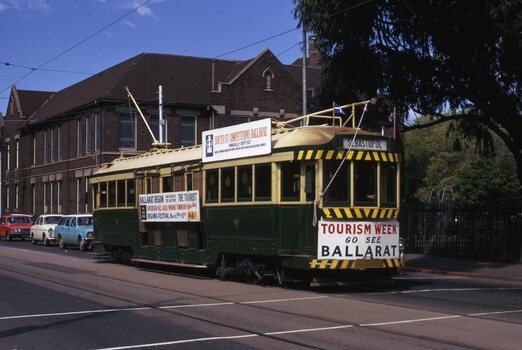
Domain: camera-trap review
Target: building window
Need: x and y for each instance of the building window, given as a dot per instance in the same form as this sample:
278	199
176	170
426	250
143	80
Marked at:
79	137
188	130
59	142
8	158
127	130
45	146
78	193
33	191
51	190
240	119
154	125
51	136
88	133
267	74
33	140
97	132
45	197
58	192
17	160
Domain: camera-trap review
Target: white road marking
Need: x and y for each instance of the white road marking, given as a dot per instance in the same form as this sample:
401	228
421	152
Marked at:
441	290
281	300
74	313
303	330
429	277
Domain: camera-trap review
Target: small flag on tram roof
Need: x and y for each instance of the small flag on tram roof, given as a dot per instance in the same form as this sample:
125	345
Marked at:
338	110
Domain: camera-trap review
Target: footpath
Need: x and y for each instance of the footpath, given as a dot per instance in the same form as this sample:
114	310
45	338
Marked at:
463	267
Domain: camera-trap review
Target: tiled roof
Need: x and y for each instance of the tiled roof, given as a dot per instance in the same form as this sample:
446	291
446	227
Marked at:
185	79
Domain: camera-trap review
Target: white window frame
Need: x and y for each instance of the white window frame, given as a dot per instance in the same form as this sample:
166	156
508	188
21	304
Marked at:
45	207
78	182
51	137
45	146
59	141
8	158
195	128
78	137
88	126
17	159
51	197
134	122
97	132
58	190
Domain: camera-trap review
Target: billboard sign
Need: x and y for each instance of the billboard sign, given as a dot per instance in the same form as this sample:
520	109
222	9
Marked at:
237	141
170	207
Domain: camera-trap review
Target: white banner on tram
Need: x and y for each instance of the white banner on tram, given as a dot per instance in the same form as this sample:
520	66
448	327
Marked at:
170	206
351	240
242	140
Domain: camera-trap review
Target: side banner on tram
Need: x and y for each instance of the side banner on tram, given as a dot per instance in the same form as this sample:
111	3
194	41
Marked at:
170	206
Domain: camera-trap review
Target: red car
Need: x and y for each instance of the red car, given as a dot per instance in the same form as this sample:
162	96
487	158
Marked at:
15	226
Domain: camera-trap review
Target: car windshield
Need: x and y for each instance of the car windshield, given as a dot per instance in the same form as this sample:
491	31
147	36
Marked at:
84	220
19	220
52	220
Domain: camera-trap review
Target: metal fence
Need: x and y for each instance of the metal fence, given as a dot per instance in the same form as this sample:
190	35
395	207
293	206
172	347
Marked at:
491	231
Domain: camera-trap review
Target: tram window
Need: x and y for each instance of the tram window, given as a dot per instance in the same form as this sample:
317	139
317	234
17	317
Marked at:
339	189
263	182
365	184
290	185
189	182
166	184
389	185
148	185
179	182
212	186
96	202
112	193
310	182
227	184
103	195
244	185
120	198
131	193
197	177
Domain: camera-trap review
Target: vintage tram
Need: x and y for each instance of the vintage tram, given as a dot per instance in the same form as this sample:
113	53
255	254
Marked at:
311	202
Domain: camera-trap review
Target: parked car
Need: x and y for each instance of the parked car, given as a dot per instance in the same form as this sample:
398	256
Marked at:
43	229
75	230
15	226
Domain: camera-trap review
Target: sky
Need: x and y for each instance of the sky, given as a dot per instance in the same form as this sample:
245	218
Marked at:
69	40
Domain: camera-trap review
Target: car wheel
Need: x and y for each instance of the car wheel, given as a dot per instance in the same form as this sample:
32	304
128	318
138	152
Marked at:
45	240
34	241
81	244
62	243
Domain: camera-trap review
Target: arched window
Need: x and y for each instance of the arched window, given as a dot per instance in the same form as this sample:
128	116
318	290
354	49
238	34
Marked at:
269	76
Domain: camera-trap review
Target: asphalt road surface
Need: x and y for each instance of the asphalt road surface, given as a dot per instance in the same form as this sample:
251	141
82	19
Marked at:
55	299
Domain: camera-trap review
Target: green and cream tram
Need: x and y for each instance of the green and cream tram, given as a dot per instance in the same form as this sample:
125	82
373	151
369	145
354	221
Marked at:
261	198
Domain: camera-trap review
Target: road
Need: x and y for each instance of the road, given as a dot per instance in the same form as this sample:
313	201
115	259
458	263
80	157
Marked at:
55	299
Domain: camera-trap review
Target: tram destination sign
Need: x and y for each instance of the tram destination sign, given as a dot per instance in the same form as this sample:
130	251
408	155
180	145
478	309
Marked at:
170	206
367	144
238	141
353	240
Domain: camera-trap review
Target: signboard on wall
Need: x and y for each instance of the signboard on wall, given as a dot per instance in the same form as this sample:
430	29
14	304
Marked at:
243	140
170	207
352	240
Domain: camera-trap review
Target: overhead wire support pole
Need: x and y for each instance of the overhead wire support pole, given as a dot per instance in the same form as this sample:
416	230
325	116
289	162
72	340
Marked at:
155	142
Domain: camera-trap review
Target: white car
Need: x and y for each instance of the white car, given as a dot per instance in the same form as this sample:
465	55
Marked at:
43	229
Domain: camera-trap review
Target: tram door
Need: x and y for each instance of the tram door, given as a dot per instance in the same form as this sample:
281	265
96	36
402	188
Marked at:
151	234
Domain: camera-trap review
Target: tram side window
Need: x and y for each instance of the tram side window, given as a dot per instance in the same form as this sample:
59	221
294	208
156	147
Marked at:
290	185
244	186
166	184
212	186
339	190
310	182
131	193
95	191
227	185
389	185
365	183
103	195
263	187
120	198
189	182
179	182
112	193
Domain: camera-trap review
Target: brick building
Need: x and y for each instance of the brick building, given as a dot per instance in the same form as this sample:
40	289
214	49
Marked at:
52	142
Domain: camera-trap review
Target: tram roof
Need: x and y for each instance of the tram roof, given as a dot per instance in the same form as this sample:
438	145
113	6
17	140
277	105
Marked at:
281	138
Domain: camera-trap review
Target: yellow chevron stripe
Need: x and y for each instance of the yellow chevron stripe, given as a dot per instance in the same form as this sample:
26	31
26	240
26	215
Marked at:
368	156
348	213
334	263
396	157
376	156
300	155
359	155
350	155
367	212
329	154
309	154
319	154
340	155
338	213
375	214
327	213
384	157
323	264
358	213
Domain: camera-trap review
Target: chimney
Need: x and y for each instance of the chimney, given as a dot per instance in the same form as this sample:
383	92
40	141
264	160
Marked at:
313	52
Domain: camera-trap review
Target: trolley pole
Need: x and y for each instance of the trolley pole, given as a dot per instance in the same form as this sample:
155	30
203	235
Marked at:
304	71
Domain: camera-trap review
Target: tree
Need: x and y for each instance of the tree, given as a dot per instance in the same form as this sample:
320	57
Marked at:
453	60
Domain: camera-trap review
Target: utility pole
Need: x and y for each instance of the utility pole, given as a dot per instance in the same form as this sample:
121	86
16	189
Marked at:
304	71
161	120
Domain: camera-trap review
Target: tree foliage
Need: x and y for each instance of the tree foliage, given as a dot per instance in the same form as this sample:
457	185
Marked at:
456	60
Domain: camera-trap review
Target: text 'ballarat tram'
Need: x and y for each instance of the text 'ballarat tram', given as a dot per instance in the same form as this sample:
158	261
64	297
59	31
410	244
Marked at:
262	198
